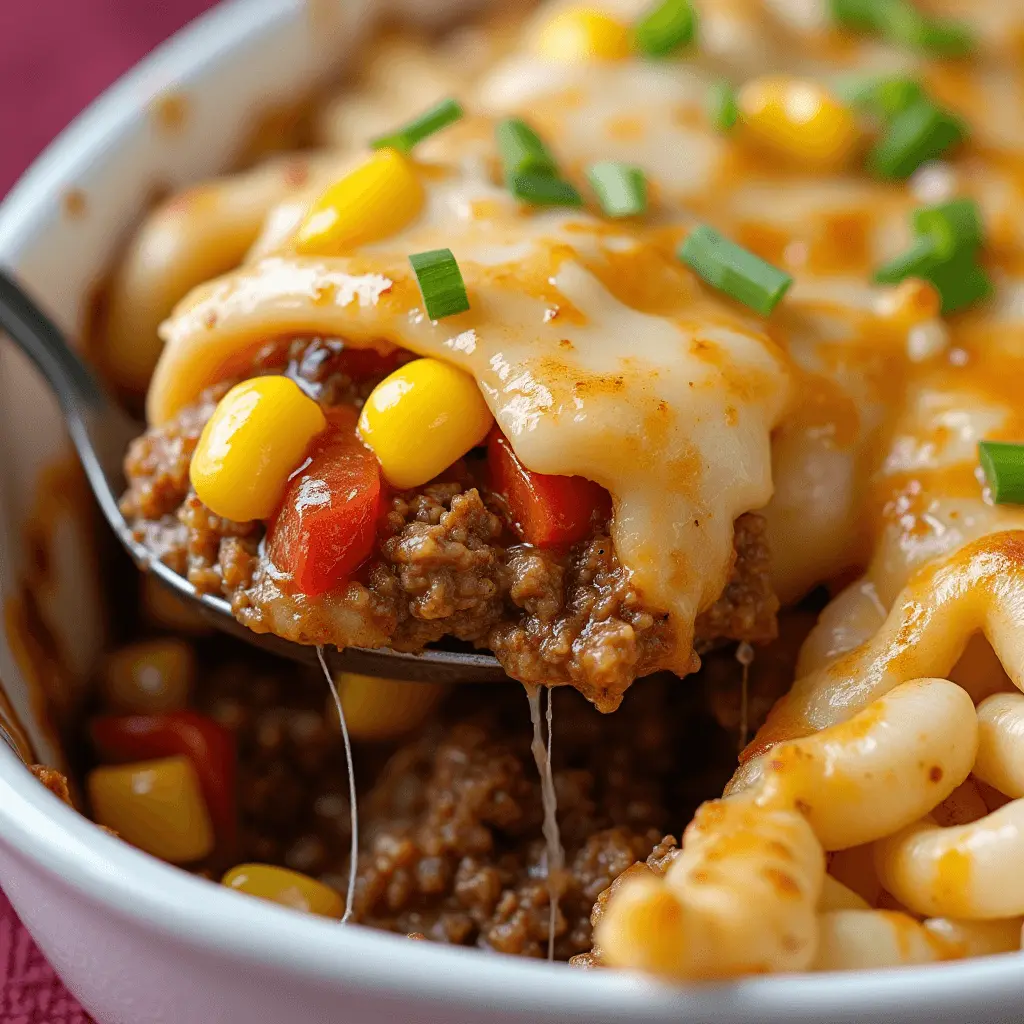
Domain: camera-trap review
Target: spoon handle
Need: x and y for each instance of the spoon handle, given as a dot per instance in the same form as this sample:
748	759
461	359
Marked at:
73	383
99	430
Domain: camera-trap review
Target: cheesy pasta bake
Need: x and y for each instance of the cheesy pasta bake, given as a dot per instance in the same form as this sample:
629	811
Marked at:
617	338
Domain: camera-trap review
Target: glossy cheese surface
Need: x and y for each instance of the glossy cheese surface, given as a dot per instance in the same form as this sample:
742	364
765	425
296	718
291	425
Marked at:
670	408
601	355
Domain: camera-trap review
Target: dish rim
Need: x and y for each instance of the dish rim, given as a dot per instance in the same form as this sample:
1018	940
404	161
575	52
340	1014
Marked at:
44	832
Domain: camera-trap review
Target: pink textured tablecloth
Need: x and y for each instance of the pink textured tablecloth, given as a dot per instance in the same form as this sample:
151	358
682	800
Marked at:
30	993
56	56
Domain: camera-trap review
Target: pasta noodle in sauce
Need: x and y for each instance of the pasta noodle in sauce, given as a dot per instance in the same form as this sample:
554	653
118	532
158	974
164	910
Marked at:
677	441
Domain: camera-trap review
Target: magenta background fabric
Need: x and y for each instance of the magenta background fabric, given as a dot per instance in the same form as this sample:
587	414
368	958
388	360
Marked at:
56	56
30	993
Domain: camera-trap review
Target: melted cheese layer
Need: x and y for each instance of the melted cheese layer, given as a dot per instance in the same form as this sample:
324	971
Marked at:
600	355
671	411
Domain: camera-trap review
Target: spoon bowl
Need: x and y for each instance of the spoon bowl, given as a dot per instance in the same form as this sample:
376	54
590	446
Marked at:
101	431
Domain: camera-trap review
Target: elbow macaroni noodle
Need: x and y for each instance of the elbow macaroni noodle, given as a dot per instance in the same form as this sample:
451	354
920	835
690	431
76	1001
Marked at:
190	238
697	922
747	894
873	757
859	939
889	757
1001	743
970	871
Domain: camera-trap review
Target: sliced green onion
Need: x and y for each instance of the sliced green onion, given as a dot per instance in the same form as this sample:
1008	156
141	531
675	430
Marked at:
441	284
885	96
665	28
531	173
952	227
895	94
918	261
732	269
543	190
723	110
901	22
521	149
859	15
1003	463
947	38
433	120
621	188
904	24
944	253
920	133
961	282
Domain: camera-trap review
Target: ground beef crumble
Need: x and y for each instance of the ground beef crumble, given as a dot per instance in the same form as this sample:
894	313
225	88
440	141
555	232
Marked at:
581	622
451	825
446	566
656	863
450	816
55	781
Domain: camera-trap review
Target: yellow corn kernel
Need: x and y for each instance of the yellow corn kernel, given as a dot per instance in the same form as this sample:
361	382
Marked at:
798	119
422	418
583	34
154	805
383	709
374	201
151	677
289	888
256	436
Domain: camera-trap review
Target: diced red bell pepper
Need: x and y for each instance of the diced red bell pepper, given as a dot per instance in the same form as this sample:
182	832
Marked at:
327	524
547	511
207	744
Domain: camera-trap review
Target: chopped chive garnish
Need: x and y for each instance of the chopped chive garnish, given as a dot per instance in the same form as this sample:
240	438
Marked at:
893	95
543	190
859	15
732	269
621	188
665	28
917	261
531	174
920	133
904	24
521	149
946	38
901	22
952	227
440	281
723	110
1003	463
885	96
944	252
433	120
960	282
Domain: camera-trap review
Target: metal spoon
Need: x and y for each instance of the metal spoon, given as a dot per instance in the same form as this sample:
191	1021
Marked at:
100	432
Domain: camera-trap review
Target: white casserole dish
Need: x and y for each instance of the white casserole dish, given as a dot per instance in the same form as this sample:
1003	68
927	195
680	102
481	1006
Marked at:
140	942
